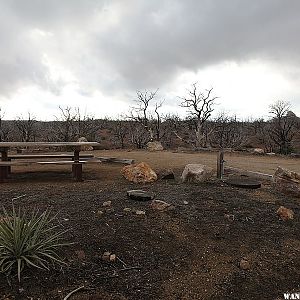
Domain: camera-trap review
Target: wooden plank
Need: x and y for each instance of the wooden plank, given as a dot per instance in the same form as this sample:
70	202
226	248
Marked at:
46	144
37	156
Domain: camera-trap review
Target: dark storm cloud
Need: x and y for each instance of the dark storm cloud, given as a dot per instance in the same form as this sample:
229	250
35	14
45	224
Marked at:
135	44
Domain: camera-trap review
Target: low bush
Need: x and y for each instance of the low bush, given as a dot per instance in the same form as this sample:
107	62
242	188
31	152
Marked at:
28	241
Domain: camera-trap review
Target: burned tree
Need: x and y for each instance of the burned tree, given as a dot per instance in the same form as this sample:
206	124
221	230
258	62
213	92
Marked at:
200	106
282	125
26	128
146	118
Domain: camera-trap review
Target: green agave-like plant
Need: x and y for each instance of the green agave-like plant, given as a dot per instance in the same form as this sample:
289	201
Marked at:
28	241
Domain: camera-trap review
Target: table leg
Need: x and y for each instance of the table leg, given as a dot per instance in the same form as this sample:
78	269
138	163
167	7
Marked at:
77	166
4	170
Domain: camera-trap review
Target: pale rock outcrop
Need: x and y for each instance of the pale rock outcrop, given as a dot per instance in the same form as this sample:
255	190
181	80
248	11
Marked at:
196	173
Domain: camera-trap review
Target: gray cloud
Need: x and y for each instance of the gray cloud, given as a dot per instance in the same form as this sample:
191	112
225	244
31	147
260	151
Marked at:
126	45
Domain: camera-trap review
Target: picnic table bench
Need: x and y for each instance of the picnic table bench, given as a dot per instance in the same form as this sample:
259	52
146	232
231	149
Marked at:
75	160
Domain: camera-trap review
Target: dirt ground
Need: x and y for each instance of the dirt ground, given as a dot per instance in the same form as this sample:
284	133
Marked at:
190	252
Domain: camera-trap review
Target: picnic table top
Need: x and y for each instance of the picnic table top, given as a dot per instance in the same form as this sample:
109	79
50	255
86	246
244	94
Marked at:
46	144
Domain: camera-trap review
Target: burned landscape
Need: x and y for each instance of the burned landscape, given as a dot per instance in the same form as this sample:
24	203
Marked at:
194	249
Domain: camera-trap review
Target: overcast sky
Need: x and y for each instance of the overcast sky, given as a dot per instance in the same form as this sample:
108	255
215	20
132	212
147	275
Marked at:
95	54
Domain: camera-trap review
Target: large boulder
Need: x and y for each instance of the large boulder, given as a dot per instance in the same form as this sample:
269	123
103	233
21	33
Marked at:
196	173
287	181
139	173
155	146
85	148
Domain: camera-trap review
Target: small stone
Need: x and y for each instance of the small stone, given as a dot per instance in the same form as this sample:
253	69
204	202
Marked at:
159	205
100	213
112	257
140	195
140	213
109	210
106	204
106	256
127	209
229	217
285	213
185	202
244	264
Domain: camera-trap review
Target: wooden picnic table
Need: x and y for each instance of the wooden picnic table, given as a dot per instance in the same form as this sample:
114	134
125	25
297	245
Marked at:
6	162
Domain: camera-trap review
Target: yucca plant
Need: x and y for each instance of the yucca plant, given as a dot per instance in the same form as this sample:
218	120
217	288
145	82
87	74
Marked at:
28	241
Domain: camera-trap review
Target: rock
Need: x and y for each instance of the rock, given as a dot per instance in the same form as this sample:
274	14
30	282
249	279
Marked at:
166	174
229	217
127	209
244	264
196	173
285	213
106	204
85	148
140	195
287	181
106	256
100	213
271	153
155	146
159	205
139	173
140	213
185	202
258	151
112	257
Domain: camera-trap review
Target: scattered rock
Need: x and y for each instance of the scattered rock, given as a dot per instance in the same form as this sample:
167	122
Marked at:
285	213
185	202
166	174
271	153
106	204
85	148
244	264
229	217
287	181
106	256
109	210
112	257
100	213
155	146
127	209
258	151
140	213
196	173
140	195
139	173
159	205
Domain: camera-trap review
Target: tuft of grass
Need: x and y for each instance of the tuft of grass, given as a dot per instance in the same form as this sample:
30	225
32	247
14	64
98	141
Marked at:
28	241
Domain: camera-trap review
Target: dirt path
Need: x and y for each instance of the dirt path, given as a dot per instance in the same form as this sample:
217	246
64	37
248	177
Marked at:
165	159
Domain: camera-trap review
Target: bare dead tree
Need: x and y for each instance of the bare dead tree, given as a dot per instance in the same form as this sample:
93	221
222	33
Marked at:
65	126
228	132
120	131
200	106
4	130
141	113
26	128
282	126
85	125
